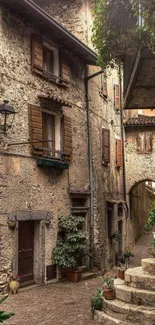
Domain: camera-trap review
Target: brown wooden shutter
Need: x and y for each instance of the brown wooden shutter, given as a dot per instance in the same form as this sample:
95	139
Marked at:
104	89
36	134
148	142
119	153
37	53
65	71
117	96
67	137
106	146
139	145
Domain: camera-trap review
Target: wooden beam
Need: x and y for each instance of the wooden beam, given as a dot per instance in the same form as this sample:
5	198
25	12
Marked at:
132	77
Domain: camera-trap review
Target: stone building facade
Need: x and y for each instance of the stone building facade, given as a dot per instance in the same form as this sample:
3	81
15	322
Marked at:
139	148
35	187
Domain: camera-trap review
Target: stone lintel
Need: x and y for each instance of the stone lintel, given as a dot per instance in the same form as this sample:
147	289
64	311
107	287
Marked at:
30	215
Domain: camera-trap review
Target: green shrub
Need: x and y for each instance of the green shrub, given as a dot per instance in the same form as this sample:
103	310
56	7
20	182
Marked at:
4	316
69	248
152	248
96	301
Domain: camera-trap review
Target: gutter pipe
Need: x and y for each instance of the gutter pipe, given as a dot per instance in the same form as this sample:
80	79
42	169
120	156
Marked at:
123	137
90	158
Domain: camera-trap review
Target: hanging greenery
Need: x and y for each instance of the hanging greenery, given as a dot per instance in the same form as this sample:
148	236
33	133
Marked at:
120	27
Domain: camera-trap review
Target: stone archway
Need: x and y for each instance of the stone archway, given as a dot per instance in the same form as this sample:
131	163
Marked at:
141	196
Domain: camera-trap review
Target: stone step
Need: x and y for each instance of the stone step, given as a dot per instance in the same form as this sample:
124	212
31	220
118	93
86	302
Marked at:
138	278
104	318
148	265
129	313
88	275
134	295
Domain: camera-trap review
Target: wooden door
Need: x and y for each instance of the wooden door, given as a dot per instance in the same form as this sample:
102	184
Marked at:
26	251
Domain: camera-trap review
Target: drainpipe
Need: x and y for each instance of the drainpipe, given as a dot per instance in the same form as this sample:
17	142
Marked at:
91	184
123	136
90	161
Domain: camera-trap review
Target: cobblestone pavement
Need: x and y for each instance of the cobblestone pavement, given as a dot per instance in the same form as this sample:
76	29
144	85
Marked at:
54	304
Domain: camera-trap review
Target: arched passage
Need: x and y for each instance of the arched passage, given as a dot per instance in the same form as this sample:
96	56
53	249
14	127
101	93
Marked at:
141	197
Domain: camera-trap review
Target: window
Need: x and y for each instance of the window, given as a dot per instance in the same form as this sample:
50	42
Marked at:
120	209
80	208
144	142
109	208
117	97
104	91
118	153
105	146
46	61
51	133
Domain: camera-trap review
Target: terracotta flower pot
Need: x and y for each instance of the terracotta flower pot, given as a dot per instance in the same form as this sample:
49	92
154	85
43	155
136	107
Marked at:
109	294
121	274
73	275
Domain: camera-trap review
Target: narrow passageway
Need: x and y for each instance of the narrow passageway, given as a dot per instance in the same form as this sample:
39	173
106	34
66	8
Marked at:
54	304
141	249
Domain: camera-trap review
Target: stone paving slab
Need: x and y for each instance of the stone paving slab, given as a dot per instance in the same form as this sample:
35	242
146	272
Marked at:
54	304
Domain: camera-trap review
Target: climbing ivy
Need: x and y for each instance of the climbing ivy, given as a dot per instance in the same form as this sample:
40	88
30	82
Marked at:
120	27
151	220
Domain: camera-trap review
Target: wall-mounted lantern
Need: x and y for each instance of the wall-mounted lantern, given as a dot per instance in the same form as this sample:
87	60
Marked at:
7	114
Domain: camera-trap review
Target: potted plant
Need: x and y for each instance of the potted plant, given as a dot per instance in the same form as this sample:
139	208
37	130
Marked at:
11	224
121	271
108	287
123	264
70	247
152	248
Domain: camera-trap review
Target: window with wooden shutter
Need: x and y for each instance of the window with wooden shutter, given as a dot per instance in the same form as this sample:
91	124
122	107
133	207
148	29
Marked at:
37	53
67	136
104	90
65	71
106	146
144	142
119	153
117	96
36	134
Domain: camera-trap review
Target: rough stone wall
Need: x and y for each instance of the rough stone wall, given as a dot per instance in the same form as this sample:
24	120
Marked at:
143	169
139	167
22	184
141	203
77	16
27	186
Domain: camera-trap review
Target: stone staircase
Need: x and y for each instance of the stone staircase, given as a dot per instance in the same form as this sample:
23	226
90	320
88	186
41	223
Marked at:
135	298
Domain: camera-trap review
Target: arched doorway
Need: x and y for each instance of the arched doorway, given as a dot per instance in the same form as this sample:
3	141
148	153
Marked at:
142	195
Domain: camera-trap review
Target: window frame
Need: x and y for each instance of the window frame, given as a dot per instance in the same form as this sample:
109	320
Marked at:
57	131
142	147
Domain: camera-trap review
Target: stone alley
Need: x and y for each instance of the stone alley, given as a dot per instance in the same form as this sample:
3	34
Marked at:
55	304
